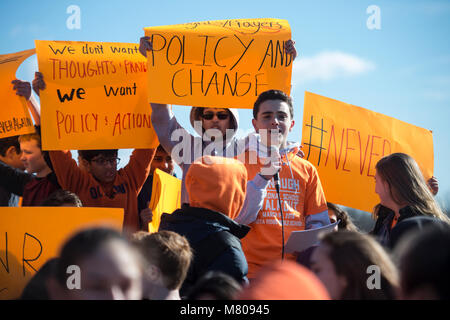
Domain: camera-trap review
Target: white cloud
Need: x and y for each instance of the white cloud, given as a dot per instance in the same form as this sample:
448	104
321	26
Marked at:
328	65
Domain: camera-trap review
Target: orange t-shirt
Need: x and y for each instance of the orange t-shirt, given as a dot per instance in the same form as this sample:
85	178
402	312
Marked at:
301	195
127	185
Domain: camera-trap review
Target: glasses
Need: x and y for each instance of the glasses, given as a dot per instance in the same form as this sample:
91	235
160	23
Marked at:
210	115
103	161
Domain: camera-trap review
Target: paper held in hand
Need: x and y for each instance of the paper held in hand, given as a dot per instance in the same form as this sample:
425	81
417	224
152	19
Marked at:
302	240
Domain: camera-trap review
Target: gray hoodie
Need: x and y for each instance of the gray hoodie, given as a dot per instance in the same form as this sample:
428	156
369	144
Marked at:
185	149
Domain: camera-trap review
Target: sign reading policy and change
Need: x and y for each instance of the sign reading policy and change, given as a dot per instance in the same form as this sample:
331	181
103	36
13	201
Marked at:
224	63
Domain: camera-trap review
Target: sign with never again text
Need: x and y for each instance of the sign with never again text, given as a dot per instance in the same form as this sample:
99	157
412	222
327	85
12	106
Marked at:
345	142
29	236
14	115
224	63
95	96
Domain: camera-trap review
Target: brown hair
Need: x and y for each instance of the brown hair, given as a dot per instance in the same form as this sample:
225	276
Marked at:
407	184
273	95
169	251
346	222
352	253
8	142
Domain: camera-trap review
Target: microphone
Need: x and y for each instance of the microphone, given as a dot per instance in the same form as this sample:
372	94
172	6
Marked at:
276	180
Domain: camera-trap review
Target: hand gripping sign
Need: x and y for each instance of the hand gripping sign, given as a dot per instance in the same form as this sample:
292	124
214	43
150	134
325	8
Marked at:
95	96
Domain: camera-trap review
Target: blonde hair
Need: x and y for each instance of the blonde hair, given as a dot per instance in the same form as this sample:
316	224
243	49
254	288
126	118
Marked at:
407	184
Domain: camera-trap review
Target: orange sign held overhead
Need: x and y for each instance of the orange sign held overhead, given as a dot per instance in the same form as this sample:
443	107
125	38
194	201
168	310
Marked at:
345	142
30	236
166	197
224	63
15	118
95	96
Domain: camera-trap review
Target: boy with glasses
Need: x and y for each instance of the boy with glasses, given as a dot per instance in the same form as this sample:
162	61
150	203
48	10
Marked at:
97	181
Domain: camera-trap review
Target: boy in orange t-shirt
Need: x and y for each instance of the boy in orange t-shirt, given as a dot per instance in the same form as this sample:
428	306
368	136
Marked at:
302	198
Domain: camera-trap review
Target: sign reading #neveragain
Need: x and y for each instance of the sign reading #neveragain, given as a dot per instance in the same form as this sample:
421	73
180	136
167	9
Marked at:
14	116
223	63
95	96
345	142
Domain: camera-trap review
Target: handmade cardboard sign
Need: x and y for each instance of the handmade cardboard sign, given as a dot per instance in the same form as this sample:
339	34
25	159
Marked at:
15	118
95	96
223	63
345	142
29	236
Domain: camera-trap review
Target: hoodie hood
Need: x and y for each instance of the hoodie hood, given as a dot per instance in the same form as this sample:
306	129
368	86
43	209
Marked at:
194	117
285	280
218	184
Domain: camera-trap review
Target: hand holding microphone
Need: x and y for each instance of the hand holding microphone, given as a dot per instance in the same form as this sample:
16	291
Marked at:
272	165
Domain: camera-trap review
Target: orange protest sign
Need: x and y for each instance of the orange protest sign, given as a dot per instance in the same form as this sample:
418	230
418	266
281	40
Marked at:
29	236
14	116
95	96
345	142
223	63
166	197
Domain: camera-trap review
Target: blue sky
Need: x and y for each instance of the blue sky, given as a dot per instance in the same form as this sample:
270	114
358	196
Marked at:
401	70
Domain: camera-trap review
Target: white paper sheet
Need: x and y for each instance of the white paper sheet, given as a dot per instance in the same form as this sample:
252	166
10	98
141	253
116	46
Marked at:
302	240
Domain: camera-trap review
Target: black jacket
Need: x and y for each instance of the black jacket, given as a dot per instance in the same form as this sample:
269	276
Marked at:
214	238
382	229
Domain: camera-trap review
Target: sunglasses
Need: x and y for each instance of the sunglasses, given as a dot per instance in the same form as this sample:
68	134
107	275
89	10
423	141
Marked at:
210	115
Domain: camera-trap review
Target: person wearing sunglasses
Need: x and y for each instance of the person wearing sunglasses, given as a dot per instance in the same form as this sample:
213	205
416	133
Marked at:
216	126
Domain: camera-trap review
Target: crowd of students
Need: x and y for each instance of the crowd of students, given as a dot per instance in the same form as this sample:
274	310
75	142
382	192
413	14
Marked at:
241	199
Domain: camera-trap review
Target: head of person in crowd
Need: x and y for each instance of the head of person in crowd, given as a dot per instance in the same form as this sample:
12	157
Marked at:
33	158
399	183
214	121
218	184
214	285
354	266
37	287
337	214
97	264
62	198
102	164
168	256
273	117
162	161
423	259
284	280
10	152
